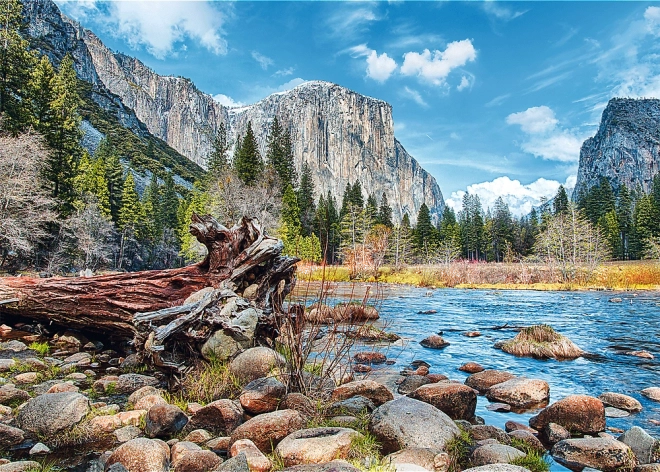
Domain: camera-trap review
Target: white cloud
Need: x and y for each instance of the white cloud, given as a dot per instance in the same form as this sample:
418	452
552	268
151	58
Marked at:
414	95
347	22
379	67
157	25
496	10
465	83
534	120
652	17
545	139
285	72
227	101
264	61
435	67
520	198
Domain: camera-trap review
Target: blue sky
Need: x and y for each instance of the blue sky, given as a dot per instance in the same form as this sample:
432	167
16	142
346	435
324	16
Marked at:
491	97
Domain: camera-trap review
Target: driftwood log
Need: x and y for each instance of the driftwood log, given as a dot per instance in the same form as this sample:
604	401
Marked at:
149	306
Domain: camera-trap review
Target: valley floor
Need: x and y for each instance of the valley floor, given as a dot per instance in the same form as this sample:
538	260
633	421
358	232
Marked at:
620	275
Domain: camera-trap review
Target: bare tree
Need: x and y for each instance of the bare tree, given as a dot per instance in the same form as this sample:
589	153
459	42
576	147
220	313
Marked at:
89	237
378	241
571	244
231	199
26	208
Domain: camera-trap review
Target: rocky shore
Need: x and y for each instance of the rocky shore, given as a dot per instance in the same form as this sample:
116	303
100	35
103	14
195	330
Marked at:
74	403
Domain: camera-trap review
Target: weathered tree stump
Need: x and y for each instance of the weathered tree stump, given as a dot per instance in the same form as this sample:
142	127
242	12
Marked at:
149	305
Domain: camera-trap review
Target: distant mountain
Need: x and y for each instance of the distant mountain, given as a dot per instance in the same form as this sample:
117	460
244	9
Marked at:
626	148
342	135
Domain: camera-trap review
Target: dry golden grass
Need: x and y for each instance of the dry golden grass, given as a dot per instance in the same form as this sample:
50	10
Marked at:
629	275
542	342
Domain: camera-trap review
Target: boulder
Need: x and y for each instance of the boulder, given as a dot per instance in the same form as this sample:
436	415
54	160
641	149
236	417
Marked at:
20	466
642	444
300	403
164	420
267	430
374	391
148	401
495	454
127	433
262	395
316	445
180	449
140	393
198	436
552	433
412	383
351	406
605	454
355	312
198	461
515	426
63	387
235	464
652	393
50	413
256	363
520	393
611	412
141	455
129	383
369	358
620	401
482	432
10	395
10	436
529	439
334	466
497	468
471	368
458	401
406	422
434	342
220	416
577	413
404	459
484	380
257	462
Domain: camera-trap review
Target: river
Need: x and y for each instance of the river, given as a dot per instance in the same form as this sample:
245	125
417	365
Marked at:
598	326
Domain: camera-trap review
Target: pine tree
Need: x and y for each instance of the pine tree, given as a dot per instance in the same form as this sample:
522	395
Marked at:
385	212
646	220
345	200
114	175
90	180
371	210
131	213
424	231
305	196
16	63
63	136
401	247
357	198
151	201
248	163
217	160
560	202
169	203
41	94
501	230
291	210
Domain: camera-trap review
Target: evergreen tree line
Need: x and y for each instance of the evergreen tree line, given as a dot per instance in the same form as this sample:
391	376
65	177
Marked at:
98	219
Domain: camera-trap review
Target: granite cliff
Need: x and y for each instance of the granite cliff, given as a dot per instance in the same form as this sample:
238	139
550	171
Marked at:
342	135
626	148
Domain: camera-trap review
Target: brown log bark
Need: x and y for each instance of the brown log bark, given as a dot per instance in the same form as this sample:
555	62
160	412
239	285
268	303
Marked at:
236	257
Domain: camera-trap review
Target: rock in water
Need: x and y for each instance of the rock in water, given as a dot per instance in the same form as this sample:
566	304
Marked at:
541	342
520	392
642	444
576	413
406	422
457	401
484	380
54	412
434	342
620	401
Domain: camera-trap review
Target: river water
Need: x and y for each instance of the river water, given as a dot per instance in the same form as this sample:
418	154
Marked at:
600	327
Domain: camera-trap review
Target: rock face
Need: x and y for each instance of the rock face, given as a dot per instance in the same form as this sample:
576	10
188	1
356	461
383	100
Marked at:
626	148
342	135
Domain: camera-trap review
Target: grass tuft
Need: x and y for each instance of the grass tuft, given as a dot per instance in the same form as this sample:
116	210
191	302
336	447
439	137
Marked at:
534	461
42	349
209	381
542	342
458	449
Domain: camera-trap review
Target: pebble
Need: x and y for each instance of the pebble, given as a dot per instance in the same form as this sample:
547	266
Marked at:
39	448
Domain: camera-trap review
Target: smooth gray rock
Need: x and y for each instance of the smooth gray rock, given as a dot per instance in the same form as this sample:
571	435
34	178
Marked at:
351	406
406	422
641	443
495	454
606	454
237	463
50	413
